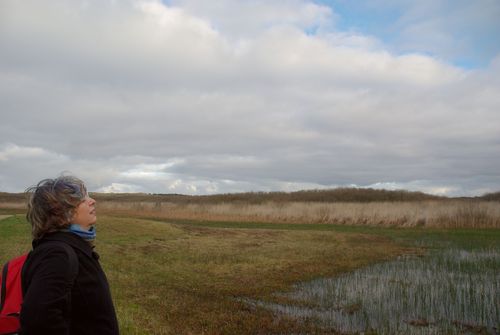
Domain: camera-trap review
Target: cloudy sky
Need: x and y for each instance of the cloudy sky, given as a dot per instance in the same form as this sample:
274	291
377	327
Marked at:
202	97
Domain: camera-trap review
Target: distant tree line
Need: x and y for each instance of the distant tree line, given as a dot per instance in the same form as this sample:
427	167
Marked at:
491	196
330	195
12	197
343	194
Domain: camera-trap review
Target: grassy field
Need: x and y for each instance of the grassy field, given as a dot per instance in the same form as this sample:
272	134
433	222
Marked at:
191	277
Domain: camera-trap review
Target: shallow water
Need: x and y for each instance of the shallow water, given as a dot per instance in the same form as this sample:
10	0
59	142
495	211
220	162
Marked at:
451	292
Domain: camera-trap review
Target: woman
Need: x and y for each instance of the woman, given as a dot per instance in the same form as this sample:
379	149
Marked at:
65	289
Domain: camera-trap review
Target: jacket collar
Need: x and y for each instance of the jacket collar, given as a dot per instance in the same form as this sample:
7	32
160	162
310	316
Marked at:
68	237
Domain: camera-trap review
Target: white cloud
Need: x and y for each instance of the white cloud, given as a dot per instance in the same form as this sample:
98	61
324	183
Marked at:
120	188
241	20
150	171
12	151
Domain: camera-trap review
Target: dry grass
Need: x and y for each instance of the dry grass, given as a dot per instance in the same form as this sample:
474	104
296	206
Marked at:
406	210
434	213
21	204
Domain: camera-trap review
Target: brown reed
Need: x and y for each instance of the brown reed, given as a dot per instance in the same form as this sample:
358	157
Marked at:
434	213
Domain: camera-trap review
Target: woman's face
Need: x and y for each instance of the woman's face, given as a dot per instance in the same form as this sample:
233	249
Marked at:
84	214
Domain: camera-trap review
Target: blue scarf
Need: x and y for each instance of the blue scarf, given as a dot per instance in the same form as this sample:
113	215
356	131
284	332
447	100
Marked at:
88	235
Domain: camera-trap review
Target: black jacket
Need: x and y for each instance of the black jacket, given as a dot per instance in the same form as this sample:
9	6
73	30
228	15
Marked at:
55	302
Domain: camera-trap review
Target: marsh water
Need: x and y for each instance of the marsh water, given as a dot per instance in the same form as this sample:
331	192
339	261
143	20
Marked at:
445	292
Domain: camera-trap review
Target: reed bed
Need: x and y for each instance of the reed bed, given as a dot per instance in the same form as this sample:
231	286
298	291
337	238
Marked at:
434	213
437	213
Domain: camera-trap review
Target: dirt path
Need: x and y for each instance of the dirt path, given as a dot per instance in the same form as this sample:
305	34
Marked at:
4	217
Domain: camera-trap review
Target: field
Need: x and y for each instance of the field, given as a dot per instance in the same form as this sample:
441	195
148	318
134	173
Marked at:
199	275
338	207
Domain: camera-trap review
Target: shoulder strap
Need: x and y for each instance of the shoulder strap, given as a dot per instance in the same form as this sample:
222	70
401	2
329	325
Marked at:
3	289
73	260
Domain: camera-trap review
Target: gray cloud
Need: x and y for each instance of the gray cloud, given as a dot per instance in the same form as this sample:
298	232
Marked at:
139	96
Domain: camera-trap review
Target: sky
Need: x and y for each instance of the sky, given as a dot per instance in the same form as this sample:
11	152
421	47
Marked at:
205	97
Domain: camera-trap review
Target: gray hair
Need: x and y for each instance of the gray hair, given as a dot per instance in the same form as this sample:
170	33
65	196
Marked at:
52	203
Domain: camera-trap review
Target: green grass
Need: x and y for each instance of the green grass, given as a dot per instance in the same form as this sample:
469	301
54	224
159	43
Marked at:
465	238
185	277
14	237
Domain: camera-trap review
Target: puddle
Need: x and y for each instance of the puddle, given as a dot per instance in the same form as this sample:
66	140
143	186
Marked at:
451	292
